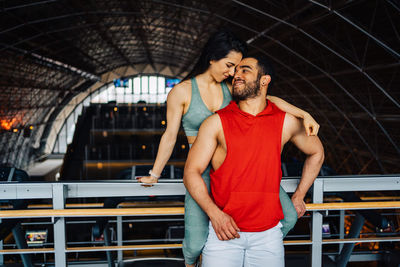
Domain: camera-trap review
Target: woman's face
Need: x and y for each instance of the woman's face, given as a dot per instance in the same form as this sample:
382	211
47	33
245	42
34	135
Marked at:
225	67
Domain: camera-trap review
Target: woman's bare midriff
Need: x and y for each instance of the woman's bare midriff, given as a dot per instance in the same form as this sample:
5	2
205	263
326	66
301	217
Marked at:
191	139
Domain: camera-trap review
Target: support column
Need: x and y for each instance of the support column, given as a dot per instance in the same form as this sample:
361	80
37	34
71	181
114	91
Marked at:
341	229
1	255
119	237
59	226
316	253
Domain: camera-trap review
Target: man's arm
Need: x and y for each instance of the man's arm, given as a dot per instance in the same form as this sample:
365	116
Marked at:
198	159
312	147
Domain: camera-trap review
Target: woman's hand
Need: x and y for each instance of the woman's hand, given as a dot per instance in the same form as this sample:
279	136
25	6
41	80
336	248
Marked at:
309	123
147	180
311	126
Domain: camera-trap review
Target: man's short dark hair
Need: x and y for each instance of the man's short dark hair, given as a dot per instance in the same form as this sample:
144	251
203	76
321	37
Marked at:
265	68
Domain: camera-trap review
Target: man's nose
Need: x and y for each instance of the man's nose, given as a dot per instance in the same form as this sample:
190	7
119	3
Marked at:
236	74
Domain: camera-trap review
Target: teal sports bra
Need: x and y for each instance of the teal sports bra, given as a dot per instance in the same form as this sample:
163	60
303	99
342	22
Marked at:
198	111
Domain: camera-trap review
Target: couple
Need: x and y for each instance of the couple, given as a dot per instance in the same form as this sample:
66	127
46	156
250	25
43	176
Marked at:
195	99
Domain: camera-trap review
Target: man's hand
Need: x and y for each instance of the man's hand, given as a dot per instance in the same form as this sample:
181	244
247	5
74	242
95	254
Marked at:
300	206
224	226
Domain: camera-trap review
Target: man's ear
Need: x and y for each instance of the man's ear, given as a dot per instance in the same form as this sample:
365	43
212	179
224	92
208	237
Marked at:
265	80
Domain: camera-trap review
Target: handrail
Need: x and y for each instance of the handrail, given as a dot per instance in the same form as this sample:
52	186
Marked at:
177	210
90	212
174	203
353	205
179	245
100	205
59	192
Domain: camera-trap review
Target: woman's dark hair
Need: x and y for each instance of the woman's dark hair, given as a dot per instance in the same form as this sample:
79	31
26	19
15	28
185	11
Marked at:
217	47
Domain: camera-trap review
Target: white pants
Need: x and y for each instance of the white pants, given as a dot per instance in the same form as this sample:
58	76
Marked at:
252	249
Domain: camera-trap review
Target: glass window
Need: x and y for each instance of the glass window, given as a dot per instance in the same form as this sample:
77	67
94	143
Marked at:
78	111
56	149
161	98
130	87
62	138
136	86
151	89
145	84
152	98
161	85
136	98
129	98
70	129
120	99
144	97
86	102
153	84
120	90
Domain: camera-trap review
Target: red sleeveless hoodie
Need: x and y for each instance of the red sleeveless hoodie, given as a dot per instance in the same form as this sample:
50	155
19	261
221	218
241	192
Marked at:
246	185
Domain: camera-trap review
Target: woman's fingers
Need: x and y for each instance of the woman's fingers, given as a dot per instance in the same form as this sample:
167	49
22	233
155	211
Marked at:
310	125
314	129
147	181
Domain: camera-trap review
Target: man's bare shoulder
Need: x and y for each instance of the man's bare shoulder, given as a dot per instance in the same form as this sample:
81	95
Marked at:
211	124
212	120
291	126
290	119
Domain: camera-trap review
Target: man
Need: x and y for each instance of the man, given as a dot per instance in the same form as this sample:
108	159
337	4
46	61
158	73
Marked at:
243	142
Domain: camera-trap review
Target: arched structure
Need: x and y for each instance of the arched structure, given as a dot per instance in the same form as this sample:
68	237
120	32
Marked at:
340	60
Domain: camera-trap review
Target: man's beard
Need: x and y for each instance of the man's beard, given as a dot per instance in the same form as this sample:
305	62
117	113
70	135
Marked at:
251	90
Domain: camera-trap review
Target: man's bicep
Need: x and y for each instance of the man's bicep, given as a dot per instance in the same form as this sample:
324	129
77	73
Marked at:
203	148
295	133
307	144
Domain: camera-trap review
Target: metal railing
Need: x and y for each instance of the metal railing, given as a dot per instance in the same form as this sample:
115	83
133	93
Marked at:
60	191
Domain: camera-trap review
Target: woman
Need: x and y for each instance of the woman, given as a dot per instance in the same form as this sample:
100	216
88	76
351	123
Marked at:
192	101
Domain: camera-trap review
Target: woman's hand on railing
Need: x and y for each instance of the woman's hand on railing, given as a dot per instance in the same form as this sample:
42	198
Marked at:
147	181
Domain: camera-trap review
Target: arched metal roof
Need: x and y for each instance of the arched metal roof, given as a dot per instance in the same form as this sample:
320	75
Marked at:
339	60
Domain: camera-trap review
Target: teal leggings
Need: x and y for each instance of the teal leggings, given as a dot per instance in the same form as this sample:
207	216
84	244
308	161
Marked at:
196	222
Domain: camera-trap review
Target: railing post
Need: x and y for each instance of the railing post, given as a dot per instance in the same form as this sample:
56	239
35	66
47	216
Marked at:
341	231
59	226
119	237
316	254
1	247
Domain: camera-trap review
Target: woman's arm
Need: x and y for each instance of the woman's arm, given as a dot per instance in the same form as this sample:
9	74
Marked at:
175	107
311	126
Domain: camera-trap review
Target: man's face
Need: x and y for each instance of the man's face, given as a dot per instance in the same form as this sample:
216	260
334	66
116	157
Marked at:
246	81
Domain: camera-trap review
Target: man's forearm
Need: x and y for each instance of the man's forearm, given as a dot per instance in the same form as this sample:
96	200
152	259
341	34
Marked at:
311	168
197	188
223	224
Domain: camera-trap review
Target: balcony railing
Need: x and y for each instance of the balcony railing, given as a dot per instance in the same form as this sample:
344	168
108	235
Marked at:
60	192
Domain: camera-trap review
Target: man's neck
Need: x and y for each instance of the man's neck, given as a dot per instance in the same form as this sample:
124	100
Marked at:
253	106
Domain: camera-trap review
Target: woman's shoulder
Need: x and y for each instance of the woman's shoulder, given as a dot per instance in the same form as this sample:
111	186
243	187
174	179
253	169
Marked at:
181	91
184	85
